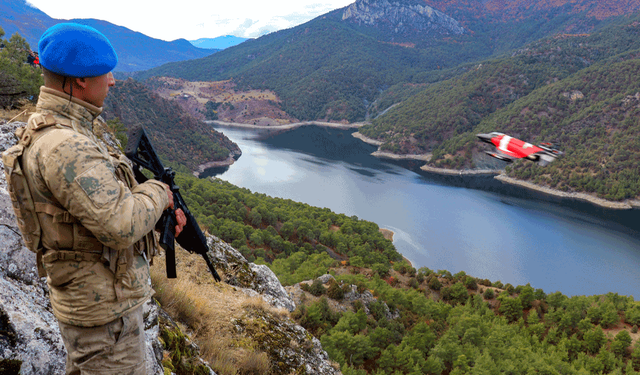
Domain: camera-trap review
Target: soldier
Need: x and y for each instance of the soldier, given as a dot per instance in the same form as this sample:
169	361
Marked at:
96	223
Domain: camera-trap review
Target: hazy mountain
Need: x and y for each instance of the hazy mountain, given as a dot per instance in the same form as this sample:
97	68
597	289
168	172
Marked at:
218	43
136	51
29	22
335	66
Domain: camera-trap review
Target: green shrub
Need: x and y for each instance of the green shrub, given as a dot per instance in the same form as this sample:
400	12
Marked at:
335	291
434	283
470	283
488	293
457	293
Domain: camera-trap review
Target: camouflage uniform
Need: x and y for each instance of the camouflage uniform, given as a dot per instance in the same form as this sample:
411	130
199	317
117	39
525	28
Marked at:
97	235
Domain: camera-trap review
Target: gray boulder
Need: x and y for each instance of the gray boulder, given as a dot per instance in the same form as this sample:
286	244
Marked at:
252	278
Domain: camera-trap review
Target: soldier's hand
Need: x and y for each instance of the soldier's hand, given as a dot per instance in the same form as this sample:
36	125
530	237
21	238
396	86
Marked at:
181	219
170	194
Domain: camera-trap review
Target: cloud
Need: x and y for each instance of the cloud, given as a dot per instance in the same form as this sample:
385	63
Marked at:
193	19
242	29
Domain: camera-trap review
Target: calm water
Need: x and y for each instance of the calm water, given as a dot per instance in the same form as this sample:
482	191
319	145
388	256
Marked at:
476	225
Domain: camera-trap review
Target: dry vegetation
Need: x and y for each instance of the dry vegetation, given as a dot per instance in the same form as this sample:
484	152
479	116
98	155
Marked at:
236	331
210	312
18	113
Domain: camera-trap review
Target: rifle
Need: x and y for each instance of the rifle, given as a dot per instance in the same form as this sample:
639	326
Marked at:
141	152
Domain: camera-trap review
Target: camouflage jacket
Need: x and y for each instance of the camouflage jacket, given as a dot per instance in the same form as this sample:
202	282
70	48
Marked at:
96	221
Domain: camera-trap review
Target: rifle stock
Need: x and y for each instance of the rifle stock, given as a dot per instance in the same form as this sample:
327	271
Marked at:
141	152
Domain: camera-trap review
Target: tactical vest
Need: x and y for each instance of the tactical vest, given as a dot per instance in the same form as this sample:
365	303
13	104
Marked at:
23	204
33	217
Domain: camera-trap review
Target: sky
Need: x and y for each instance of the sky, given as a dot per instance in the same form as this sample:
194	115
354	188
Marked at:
194	19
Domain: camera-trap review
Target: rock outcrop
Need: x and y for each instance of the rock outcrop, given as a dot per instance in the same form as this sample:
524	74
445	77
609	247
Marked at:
254	279
402	17
351	295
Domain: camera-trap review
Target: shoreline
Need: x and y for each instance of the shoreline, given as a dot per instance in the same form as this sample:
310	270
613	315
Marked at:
387	233
624	205
628	204
212	164
389	155
366	139
291	126
460	172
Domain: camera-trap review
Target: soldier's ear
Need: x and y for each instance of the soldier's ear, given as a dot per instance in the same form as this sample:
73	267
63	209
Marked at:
82	82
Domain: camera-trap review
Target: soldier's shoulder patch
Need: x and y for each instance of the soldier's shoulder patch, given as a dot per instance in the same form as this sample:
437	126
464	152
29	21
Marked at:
99	184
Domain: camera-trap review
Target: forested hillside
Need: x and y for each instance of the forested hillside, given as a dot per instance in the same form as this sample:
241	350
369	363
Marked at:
19	81
423	321
577	91
177	136
322	70
593	117
334	67
456	105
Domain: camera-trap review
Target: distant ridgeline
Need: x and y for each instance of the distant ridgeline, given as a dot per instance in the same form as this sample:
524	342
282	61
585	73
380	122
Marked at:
136	51
218	43
335	66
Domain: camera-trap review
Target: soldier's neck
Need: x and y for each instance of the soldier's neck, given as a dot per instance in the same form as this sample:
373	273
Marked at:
95	111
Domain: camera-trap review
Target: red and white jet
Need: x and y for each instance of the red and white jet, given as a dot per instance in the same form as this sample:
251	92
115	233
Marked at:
509	149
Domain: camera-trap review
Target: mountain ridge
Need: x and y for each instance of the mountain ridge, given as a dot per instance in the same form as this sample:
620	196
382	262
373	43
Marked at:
135	50
518	8
401	19
218	43
334	66
563	105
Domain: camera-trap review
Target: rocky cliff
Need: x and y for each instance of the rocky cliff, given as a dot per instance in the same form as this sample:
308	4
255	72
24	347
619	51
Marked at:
402	17
30	340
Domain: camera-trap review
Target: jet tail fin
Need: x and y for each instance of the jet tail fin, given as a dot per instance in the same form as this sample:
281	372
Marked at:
544	160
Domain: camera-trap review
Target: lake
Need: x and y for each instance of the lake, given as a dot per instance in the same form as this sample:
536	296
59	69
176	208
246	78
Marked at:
473	224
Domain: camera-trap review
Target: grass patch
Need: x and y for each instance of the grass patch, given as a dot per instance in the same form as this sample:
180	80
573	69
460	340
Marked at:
210	311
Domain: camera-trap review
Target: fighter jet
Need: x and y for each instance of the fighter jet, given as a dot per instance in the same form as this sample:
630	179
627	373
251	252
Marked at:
509	149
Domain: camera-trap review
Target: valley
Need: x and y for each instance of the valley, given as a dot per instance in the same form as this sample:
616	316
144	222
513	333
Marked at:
294	149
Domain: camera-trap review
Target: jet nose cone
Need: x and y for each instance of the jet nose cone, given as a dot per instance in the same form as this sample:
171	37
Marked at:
484	137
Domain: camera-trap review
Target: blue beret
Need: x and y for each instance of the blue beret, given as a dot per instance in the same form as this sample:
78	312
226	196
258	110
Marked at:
75	50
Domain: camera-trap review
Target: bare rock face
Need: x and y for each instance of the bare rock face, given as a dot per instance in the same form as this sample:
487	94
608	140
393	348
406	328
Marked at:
253	278
409	18
288	345
29	336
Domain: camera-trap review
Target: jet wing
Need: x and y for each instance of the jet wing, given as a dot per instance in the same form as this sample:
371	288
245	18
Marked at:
501	156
